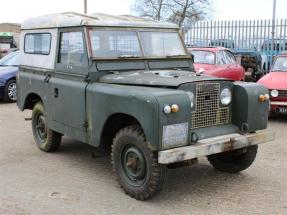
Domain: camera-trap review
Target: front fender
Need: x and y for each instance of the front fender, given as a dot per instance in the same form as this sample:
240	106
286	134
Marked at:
142	103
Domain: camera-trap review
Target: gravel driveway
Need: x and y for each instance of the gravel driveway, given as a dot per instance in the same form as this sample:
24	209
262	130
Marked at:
72	182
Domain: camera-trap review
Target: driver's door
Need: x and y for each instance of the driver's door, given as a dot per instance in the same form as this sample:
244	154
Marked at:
68	85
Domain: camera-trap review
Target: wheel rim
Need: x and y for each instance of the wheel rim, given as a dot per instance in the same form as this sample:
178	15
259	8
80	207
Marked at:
41	128
12	91
133	165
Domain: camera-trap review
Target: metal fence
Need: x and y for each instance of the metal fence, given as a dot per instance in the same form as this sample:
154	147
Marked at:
248	34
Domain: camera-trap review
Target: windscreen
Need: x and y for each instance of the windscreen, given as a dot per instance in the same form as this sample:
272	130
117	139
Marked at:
113	44
126	44
11	59
160	44
280	64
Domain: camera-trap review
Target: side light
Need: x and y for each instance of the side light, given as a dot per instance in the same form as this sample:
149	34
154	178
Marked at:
167	109
174	108
263	98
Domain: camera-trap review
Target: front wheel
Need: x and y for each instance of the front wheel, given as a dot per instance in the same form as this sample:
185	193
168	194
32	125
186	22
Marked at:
234	161
46	139
136	166
11	91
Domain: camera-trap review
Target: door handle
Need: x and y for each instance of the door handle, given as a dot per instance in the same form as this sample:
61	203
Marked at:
56	92
47	78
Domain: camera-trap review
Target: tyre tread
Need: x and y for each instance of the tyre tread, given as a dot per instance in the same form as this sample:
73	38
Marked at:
154	185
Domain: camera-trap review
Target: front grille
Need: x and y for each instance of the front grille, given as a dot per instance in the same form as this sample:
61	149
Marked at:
207	109
282	94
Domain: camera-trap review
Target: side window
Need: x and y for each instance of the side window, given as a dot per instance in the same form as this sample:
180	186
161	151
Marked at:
37	43
221	58
230	59
72	50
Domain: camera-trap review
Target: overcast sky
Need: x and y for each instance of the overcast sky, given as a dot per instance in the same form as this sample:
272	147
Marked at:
19	10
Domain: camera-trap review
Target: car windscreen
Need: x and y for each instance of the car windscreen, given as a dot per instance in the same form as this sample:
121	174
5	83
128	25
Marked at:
162	44
113	44
126	44
204	57
280	64
11	59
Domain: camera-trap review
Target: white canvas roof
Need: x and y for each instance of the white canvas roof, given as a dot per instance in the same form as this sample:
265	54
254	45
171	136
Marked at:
71	19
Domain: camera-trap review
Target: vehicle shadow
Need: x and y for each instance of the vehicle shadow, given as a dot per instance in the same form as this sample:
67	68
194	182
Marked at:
185	182
3	102
278	118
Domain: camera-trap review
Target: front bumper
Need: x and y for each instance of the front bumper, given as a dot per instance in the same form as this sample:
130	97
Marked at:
214	145
2	92
278	106
273	103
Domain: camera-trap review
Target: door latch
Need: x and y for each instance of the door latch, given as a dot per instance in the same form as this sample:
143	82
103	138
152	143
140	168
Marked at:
56	92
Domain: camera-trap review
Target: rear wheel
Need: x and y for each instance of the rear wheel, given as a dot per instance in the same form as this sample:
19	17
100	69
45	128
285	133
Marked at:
136	166
11	91
46	139
234	161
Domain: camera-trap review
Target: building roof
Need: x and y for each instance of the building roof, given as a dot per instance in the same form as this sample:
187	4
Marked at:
72	19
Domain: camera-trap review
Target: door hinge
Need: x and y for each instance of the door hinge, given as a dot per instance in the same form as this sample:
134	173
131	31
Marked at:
87	78
86	124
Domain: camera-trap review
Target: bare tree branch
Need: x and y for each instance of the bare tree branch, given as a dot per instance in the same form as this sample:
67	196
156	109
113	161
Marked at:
177	11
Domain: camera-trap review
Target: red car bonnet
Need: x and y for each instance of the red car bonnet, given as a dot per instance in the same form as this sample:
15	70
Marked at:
275	80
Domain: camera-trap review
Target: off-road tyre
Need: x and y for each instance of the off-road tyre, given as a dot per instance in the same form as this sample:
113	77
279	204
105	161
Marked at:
10	94
234	161
46	139
150	176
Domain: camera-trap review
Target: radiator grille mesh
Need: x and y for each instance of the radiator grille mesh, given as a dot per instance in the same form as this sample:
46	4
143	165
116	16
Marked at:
282	94
207	110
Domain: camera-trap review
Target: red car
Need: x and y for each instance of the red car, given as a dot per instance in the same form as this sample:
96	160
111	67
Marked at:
219	62
276	82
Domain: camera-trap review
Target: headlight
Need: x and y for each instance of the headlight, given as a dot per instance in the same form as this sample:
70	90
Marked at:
191	97
175	135
225	96
274	93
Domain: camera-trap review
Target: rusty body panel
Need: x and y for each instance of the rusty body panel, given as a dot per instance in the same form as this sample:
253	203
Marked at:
214	145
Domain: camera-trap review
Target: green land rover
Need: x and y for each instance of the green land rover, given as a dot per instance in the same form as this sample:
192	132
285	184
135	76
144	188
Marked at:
127	86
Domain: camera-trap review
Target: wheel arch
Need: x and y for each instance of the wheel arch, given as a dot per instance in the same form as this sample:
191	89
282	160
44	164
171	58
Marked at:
30	100
11	78
112	125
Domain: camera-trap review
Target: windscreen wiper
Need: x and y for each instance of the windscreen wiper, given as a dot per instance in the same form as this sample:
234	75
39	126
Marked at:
128	56
170	56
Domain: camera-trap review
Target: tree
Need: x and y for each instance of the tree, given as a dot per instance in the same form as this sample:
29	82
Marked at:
177	11
155	9
189	10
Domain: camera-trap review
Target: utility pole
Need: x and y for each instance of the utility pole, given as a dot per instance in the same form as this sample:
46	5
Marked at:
85	7
273	28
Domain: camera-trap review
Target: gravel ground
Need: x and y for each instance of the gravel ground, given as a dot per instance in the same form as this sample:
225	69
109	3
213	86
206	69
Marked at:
72	182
